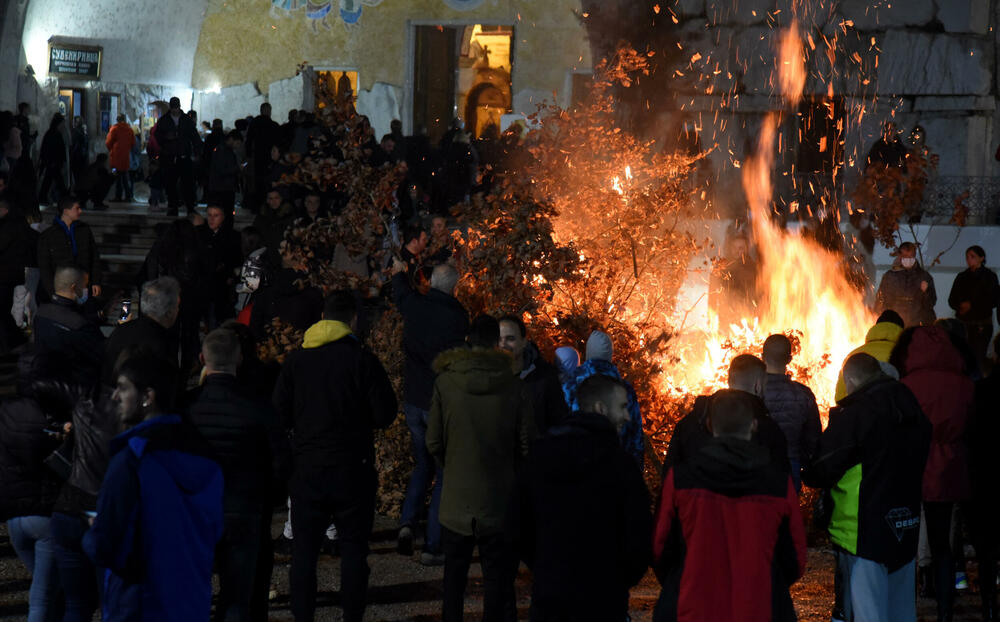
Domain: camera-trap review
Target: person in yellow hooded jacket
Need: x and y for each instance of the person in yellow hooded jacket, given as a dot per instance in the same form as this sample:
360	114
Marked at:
331	395
879	342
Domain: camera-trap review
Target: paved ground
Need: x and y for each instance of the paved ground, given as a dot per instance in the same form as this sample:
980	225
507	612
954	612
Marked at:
404	591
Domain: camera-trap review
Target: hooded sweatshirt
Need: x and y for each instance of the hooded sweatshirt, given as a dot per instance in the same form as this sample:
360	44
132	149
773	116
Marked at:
479	429
727	517
333	394
879	342
159	517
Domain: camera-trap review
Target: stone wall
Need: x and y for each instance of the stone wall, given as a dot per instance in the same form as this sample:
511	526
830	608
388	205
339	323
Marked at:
936	67
144	41
242	42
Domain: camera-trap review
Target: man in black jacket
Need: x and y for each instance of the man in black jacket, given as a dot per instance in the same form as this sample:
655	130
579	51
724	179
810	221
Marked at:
178	138
246	439
541	377
263	134
579	482
69	242
60	326
220	257
433	323
747	374
159	305
332	394
872	454
791	405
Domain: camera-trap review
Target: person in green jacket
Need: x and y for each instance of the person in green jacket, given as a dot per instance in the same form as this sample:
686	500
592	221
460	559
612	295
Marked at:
478	431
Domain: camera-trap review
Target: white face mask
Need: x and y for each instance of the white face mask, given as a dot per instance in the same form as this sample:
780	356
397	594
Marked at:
908	262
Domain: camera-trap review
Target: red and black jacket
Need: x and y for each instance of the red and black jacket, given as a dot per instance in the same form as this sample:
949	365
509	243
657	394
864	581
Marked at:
728	538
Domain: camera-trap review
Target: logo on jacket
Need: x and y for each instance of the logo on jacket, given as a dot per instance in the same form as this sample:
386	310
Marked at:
902	520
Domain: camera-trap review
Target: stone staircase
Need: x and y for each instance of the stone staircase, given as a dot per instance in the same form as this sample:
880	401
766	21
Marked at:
124	235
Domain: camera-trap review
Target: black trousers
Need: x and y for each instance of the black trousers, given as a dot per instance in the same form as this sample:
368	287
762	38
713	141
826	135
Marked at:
346	496
498	575
259	601
177	173
10	335
52	175
236	558
938	517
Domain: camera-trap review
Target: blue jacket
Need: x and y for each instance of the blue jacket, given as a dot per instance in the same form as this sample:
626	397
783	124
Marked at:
631	432
159	517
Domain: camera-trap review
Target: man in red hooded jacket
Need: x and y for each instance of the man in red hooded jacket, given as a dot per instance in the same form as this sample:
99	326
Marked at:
728	525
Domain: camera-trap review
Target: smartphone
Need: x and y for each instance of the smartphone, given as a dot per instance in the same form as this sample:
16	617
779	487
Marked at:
125	310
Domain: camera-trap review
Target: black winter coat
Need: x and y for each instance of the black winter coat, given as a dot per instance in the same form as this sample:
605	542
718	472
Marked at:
692	432
979	287
578	482
433	323
95	423
55	249
61	327
332	398
246	438
177	139
900	291
793	407
27	486
881	428
541	378
220	255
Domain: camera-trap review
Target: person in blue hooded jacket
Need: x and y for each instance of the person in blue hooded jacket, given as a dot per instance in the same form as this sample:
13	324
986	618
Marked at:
599	354
159	512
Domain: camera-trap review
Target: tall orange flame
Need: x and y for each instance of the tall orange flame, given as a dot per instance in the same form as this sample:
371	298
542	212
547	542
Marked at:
802	285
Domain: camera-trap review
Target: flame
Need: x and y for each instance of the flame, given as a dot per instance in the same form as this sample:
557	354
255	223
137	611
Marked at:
802	288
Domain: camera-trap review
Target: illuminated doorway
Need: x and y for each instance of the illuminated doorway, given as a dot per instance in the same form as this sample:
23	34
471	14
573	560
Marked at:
461	71
333	84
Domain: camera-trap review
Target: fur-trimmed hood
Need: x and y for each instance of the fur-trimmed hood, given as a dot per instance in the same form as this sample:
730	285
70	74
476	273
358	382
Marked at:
478	370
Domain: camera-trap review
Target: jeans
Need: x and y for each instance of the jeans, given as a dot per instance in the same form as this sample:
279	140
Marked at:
498	575
76	572
873	594
236	558
424	471
31	538
123	185
345	494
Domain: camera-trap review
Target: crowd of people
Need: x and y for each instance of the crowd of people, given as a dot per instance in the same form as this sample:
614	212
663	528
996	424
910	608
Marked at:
148	446
186	164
